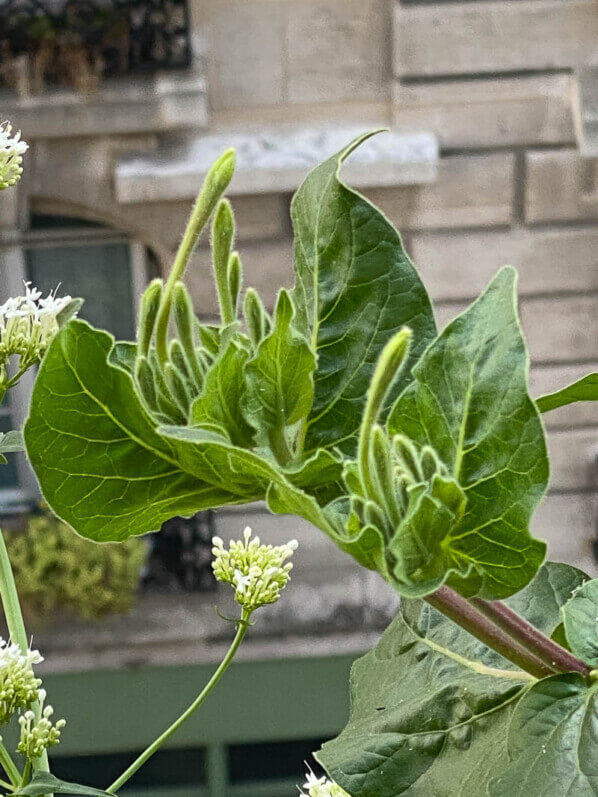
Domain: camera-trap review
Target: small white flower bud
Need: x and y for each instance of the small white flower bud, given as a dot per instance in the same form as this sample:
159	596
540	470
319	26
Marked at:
321	787
257	572
11	151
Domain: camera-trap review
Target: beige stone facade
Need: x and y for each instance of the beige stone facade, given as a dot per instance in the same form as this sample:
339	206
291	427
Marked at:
496	84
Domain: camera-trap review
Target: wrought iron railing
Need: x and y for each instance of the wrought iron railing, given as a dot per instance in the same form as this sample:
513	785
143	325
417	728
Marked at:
70	41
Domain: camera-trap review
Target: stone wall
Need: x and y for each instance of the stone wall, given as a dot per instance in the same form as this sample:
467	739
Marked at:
497	83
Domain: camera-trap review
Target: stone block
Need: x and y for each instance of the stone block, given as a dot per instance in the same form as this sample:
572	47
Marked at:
573	459
246	55
275	160
568	523
481	37
459	265
492	112
338	50
560	186
470	191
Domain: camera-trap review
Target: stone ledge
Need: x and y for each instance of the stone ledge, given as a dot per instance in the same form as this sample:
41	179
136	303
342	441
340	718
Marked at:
156	103
275	161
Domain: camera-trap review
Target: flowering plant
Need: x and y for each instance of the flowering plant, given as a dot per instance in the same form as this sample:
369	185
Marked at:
421	454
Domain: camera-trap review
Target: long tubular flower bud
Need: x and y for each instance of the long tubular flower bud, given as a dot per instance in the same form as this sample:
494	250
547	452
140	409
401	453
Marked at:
235	280
406	454
185	321
223	233
176	355
144	377
383	476
385	373
255	316
166	402
148	312
215	184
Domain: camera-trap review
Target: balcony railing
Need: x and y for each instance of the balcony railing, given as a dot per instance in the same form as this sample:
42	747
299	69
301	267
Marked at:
78	42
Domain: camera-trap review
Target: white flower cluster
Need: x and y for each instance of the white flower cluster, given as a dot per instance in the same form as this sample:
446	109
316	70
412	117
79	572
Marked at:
28	323
321	787
18	685
38	736
257	572
12	150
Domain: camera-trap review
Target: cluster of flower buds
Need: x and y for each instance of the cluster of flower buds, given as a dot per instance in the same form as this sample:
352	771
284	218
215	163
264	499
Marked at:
257	572
38	735
27	325
19	687
11	156
321	787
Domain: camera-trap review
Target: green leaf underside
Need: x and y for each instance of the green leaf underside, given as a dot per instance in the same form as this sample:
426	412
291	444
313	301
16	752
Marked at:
469	400
43	783
105	468
431	705
552	742
279	378
580	618
11	442
355	286
585	389
101	465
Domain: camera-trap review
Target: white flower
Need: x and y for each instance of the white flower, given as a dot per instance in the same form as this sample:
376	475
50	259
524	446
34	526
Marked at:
11	151
28	323
321	787
38	736
257	572
18	685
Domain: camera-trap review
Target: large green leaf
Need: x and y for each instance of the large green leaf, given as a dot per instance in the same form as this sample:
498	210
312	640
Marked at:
552	742
585	389
580	617
469	400
280	386
355	286
101	464
431	705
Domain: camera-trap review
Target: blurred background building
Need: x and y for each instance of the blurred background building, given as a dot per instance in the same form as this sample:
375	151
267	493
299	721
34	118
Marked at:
493	159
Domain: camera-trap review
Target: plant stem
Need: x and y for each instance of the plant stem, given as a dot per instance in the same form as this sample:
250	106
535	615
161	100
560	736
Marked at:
16	626
9	766
213	187
243	625
528	636
26	773
461	611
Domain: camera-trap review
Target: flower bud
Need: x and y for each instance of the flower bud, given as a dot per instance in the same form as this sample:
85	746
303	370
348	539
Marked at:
148	311
235	280
223	233
11	151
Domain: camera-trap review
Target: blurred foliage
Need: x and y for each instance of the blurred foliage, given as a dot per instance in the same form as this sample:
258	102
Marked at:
54	568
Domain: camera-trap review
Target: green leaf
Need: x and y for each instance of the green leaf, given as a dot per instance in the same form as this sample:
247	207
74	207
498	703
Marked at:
222	396
280	386
431	705
101	465
469	401
43	783
355	287
552	741
585	389
580	618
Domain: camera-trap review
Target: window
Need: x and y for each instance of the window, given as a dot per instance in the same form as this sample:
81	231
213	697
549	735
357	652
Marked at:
101	266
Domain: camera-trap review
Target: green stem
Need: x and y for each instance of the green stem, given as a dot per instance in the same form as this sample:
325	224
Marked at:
16	626
212	189
243	625
461	611
9	766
